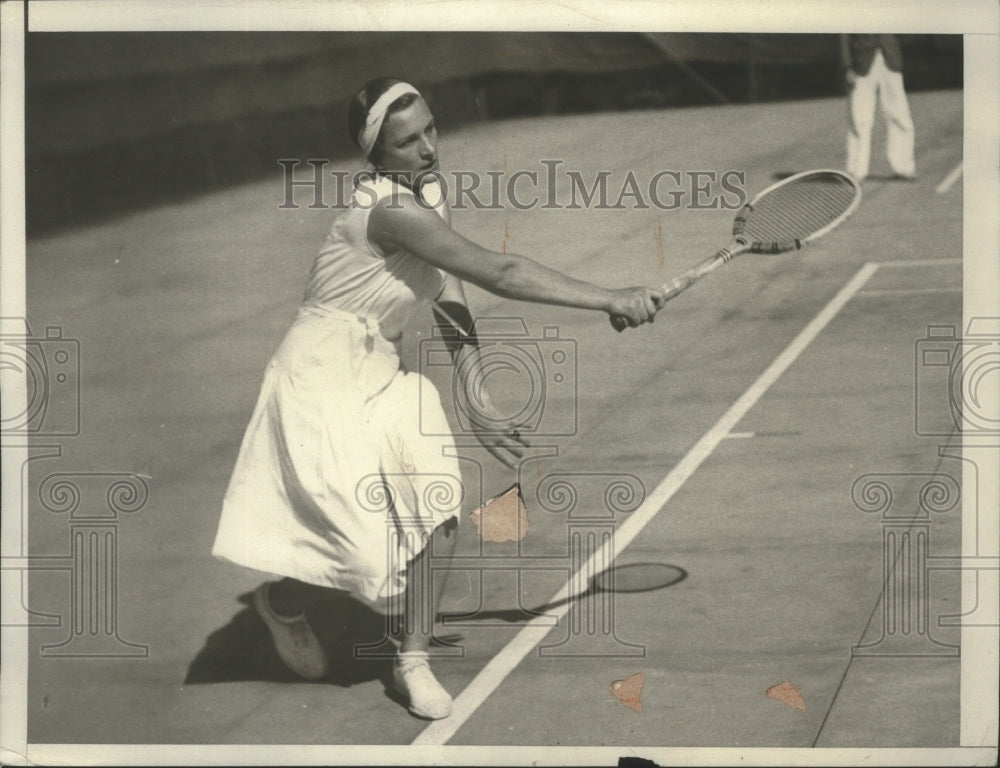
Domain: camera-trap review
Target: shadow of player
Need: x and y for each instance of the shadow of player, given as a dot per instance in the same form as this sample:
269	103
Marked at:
243	650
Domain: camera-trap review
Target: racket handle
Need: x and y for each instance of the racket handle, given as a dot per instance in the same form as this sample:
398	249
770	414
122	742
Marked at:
620	323
675	286
679	285
682	282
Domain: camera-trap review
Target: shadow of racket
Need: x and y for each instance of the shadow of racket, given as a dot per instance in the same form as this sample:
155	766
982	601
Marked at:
618	579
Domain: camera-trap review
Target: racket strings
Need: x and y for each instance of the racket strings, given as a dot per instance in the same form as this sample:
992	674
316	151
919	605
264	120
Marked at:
799	209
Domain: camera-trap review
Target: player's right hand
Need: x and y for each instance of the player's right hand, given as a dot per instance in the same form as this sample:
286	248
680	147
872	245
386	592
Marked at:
500	436
631	307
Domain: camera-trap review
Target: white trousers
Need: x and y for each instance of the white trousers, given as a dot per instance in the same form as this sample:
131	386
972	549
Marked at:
883	85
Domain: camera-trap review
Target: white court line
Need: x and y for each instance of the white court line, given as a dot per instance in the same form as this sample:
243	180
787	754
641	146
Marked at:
496	670
918	263
949	181
905	291
904	264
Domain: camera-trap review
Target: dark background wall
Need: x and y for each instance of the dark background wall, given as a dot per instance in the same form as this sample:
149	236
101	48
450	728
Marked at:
122	121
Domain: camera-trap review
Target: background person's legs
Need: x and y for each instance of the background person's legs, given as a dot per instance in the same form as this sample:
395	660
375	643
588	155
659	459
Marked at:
899	124
861	119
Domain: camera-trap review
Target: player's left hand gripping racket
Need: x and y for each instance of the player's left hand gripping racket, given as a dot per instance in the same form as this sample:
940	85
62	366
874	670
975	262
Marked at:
783	217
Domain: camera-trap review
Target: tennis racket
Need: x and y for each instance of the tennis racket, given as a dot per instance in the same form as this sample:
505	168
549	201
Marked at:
783	217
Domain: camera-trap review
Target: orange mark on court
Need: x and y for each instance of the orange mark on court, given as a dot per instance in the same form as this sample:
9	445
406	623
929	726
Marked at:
659	241
627	691
787	693
502	518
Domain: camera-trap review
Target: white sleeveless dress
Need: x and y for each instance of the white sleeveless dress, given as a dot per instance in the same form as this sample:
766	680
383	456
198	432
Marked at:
336	484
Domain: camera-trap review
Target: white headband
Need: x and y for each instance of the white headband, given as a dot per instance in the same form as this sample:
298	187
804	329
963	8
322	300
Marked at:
376	115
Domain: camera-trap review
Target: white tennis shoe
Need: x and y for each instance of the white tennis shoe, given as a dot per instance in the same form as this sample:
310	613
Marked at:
294	640
414	681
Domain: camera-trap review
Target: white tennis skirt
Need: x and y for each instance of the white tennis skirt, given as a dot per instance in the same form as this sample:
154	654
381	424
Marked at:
335	483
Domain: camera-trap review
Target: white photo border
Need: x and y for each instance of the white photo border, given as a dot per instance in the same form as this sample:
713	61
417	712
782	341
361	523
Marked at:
979	663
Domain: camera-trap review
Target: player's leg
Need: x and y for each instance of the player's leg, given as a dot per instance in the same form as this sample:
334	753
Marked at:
420	467
425	586
291	597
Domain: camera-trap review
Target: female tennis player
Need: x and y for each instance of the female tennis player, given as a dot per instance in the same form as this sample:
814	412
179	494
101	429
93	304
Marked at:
338	417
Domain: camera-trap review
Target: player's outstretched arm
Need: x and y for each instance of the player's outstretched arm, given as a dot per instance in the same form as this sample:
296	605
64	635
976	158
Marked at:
409	226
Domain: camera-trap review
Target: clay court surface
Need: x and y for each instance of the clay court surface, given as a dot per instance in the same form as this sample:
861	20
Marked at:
178	309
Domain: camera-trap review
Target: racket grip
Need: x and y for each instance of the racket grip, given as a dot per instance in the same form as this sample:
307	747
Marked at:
674	287
681	283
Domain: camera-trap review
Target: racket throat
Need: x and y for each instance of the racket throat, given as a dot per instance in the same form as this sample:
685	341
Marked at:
728	254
